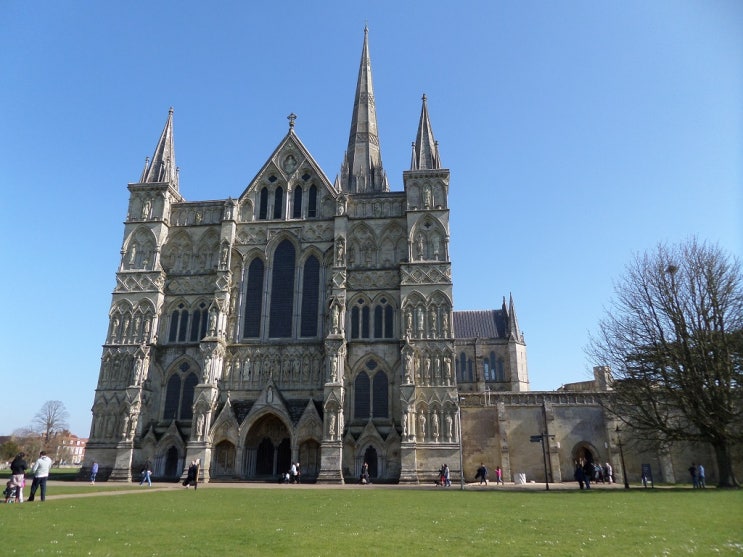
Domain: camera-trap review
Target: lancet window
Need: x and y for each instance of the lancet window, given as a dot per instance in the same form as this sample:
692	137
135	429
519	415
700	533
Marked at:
179	394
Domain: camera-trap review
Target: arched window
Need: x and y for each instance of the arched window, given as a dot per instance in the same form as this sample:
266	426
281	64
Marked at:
383	319
360	319
361	397
199	320
278	203
297	204
172	397
371	396
312	204
365	322
282	291
253	299
379	395
178	324
263	205
310	297
179	394
500	370
389	321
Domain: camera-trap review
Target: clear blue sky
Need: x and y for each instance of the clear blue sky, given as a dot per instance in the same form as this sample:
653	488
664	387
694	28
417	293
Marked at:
577	134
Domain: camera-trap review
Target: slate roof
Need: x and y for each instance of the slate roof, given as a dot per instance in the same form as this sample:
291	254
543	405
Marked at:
489	323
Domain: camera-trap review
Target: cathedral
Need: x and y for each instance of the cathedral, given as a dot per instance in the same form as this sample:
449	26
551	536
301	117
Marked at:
305	320
309	320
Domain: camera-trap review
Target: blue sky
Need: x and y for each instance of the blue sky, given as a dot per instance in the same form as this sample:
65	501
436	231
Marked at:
577	134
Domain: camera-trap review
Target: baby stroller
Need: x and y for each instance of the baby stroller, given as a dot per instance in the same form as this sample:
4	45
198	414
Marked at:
10	492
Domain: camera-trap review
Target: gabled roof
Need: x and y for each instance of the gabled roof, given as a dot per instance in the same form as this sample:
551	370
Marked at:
490	323
280	163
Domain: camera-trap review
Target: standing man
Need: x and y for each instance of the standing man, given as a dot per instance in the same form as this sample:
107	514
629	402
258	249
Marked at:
40	470
93	472
700	476
18	478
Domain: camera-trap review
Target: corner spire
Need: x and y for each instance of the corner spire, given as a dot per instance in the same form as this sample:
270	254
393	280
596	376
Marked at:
425	148
362	169
514	333
162	168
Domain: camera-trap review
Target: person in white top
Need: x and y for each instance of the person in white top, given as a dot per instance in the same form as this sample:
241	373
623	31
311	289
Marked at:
40	470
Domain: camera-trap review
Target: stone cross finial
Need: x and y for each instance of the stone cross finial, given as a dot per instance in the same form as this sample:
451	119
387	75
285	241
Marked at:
291	119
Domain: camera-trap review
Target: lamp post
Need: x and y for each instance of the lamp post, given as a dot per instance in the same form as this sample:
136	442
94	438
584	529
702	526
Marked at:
621	457
459	433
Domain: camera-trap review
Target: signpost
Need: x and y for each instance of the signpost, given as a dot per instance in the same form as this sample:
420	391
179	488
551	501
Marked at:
540	439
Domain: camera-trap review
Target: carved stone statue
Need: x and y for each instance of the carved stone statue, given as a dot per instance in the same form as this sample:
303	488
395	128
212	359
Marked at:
422	425
449	427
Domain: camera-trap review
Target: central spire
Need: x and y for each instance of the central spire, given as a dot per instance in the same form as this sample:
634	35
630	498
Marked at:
362	169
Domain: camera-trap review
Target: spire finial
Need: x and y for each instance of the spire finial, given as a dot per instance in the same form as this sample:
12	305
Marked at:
291	119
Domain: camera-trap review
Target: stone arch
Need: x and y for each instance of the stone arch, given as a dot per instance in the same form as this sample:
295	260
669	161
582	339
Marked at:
428	240
224	460
139	250
207	251
178	253
267	446
392	245
583	452
362	246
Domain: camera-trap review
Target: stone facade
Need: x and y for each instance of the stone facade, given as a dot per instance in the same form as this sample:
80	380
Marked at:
309	320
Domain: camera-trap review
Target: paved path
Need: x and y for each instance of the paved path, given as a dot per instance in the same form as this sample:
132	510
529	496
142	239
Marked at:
95	491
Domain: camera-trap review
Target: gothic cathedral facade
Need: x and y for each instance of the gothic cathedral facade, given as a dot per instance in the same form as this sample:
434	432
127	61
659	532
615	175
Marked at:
304	321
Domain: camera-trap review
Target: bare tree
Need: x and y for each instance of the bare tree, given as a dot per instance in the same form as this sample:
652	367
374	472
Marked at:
673	336
51	419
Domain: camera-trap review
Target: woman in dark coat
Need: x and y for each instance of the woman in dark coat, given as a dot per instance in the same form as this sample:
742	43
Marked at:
192	476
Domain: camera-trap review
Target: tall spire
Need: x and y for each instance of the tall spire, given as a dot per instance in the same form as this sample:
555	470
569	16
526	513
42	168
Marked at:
362	169
162	168
425	148
514	333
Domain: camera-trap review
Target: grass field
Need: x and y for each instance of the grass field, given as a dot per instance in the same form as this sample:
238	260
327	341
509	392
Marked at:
311	521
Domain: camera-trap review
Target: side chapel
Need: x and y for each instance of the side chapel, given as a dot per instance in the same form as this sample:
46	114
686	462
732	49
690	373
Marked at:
304	320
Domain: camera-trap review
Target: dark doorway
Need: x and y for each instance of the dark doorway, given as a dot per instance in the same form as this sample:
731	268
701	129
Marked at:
171	463
370	457
270	443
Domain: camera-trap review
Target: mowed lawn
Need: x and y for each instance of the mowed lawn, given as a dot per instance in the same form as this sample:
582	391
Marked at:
313	520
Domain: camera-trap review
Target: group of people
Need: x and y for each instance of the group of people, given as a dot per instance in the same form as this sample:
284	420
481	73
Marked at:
293	475
697	475
444	480
482	475
587	472
40	469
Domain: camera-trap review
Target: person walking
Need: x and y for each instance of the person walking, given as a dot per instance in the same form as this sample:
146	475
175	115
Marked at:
146	474
482	474
700	476
498	475
18	475
192	476
93	472
694	477
447	474
40	470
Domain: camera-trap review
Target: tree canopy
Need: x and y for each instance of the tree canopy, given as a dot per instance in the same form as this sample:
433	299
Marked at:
673	336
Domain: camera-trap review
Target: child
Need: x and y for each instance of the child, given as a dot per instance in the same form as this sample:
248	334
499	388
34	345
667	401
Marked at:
9	492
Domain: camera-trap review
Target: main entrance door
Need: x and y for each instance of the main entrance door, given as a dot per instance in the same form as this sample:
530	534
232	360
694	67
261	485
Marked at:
268	449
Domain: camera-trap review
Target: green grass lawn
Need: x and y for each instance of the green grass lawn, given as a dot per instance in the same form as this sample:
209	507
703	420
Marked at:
377	521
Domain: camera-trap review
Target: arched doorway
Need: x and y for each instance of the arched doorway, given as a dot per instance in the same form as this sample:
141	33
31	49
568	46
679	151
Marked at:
267	449
309	457
370	457
171	463
585	453
224	460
